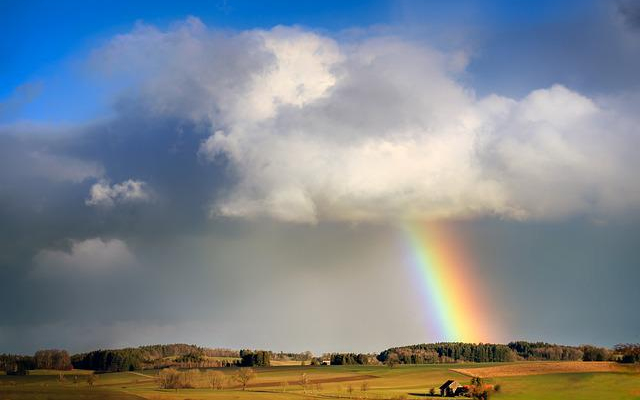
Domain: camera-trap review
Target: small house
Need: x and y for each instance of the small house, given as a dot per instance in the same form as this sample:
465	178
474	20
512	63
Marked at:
449	388
326	362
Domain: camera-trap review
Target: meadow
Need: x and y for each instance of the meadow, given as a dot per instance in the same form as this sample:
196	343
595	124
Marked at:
525	380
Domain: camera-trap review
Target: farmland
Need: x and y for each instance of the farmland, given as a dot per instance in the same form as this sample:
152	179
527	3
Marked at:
522	380
541	368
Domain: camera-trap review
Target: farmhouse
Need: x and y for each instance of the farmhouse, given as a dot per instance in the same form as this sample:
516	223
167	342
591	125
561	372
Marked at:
326	362
449	388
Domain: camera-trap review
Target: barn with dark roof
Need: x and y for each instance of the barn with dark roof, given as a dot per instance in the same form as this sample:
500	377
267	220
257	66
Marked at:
449	388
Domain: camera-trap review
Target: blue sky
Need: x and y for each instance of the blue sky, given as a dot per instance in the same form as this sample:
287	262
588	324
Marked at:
213	163
43	42
40	35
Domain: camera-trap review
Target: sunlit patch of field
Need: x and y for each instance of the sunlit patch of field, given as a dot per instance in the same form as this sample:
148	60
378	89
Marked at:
289	363
73	372
542	367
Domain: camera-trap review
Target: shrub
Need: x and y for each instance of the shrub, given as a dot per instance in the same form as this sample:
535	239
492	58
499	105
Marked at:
169	378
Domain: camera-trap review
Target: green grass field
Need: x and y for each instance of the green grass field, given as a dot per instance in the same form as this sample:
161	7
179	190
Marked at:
410	382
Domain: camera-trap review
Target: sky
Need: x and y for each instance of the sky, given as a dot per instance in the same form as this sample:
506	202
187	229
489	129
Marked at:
324	176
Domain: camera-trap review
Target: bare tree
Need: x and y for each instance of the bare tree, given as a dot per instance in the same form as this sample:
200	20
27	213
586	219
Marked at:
52	359
350	390
169	378
243	376
190	378
215	379
304	382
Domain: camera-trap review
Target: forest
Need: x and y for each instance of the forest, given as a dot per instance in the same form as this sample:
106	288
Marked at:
191	356
450	352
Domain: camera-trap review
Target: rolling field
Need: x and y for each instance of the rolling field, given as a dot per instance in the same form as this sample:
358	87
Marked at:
541	368
535	381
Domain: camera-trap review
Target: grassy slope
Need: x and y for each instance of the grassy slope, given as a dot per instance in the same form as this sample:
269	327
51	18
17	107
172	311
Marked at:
47	387
584	386
411	381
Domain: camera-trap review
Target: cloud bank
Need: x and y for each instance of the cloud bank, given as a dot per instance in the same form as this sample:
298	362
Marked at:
373	129
84	257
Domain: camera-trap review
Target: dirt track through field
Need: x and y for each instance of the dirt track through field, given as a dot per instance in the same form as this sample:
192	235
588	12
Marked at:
540	368
336	379
147	378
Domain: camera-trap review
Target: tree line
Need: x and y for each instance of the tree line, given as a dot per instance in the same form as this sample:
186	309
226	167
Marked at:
128	359
190	356
156	356
349	359
178	355
541	351
447	352
255	358
450	352
175	355
14	364
628	352
52	359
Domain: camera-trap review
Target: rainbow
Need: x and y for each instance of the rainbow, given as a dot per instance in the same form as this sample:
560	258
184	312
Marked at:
454	298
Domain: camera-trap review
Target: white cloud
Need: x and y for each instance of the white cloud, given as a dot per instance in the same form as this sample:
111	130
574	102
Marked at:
130	191
379	129
85	257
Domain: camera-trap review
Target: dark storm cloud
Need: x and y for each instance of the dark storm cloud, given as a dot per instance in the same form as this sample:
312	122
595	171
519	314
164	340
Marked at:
45	181
50	175
84	263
